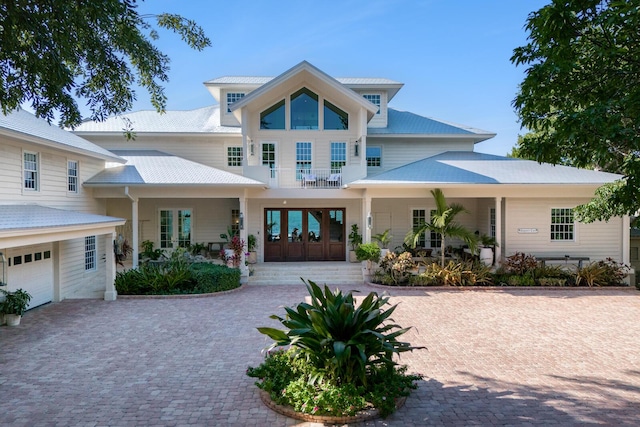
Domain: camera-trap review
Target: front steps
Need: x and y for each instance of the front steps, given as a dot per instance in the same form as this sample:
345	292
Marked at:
322	272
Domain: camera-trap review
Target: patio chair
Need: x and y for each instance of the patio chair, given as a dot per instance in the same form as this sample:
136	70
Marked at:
334	180
308	179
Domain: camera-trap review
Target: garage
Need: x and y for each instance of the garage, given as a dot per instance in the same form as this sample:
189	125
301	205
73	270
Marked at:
31	268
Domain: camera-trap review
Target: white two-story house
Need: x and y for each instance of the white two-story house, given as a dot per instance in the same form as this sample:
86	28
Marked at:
297	159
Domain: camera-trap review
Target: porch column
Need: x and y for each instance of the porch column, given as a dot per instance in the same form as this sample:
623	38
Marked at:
499	230
110	292
244	270
134	230
626	242
366	214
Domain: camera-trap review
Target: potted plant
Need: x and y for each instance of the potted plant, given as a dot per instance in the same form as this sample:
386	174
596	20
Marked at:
232	257
384	239
355	239
369	252
252	244
14	305
487	246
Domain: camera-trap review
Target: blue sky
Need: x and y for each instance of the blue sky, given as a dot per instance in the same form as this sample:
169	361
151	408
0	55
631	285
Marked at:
452	56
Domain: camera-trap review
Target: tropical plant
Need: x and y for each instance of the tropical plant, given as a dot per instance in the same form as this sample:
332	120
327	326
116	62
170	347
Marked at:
229	234
196	248
369	252
252	242
15	302
488	241
602	273
397	267
343	341
520	263
384	238
149	252
443	222
237	245
355	238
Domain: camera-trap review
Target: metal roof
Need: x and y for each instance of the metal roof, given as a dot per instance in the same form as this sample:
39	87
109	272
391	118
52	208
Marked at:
26	125
404	122
200	120
465	167
29	216
150	167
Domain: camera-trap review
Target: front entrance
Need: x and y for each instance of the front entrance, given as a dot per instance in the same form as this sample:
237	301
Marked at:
315	234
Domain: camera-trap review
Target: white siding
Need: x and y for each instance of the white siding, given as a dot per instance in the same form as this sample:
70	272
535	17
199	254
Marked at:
75	282
53	178
597	240
399	152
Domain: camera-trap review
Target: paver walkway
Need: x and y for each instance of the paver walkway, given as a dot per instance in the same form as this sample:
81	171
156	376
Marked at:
525	357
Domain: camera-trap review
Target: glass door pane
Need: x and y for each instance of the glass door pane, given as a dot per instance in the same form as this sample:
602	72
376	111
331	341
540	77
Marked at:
184	228
166	229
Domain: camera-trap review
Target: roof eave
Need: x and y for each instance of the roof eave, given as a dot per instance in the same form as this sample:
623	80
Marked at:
59	146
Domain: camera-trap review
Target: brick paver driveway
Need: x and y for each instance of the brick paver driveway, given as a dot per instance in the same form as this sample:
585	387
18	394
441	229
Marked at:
524	357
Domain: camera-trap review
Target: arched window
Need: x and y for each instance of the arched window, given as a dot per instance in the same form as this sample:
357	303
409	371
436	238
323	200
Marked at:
334	117
304	109
273	117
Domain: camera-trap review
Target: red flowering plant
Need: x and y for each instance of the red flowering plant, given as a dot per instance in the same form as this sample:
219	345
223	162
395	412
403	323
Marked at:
237	245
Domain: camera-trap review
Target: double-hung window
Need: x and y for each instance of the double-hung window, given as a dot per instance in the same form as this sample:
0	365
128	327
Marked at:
562	224
374	99
374	157
90	253
31	173
233	97
72	176
338	156
234	156
303	158
418	219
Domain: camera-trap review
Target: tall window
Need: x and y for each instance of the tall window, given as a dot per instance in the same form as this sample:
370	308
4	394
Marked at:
72	176
338	156
269	157
374	99
435	238
90	253
335	118
418	219
562	225
233	97
273	117
234	156
303	158
304	109
235	222
492	222
31	171
374	156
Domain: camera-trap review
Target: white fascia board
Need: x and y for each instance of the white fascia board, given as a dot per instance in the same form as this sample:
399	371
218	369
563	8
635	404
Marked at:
172	134
475	136
24	137
34	236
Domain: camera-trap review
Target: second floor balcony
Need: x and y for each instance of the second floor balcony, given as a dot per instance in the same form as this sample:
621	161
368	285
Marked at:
303	178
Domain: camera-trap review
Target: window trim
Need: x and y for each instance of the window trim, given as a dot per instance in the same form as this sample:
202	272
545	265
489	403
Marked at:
573	231
492	222
231	95
174	242
331	160
76	177
426	211
310	161
235	157
272	109
36	172
366	95
366	158
90	253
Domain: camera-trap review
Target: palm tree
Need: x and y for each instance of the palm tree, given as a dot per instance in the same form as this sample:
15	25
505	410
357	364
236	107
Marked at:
443	223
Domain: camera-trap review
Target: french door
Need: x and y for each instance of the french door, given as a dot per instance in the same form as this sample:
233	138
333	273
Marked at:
314	234
175	228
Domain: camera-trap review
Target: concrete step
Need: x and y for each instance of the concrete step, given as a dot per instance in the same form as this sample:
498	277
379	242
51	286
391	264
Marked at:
330	273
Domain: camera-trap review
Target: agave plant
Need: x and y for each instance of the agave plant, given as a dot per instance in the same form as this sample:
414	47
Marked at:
343	340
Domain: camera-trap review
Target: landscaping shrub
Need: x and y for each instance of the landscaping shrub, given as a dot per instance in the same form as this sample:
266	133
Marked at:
519	263
397	267
177	276
606	272
341	355
467	273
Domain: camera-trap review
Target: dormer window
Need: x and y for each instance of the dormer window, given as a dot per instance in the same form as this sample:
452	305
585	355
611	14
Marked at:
304	110
374	99
273	117
334	117
233	97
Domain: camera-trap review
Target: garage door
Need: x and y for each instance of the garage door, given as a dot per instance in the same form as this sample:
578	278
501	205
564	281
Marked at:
31	268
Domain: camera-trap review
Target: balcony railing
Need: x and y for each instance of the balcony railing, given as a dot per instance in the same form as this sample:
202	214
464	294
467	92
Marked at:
306	178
